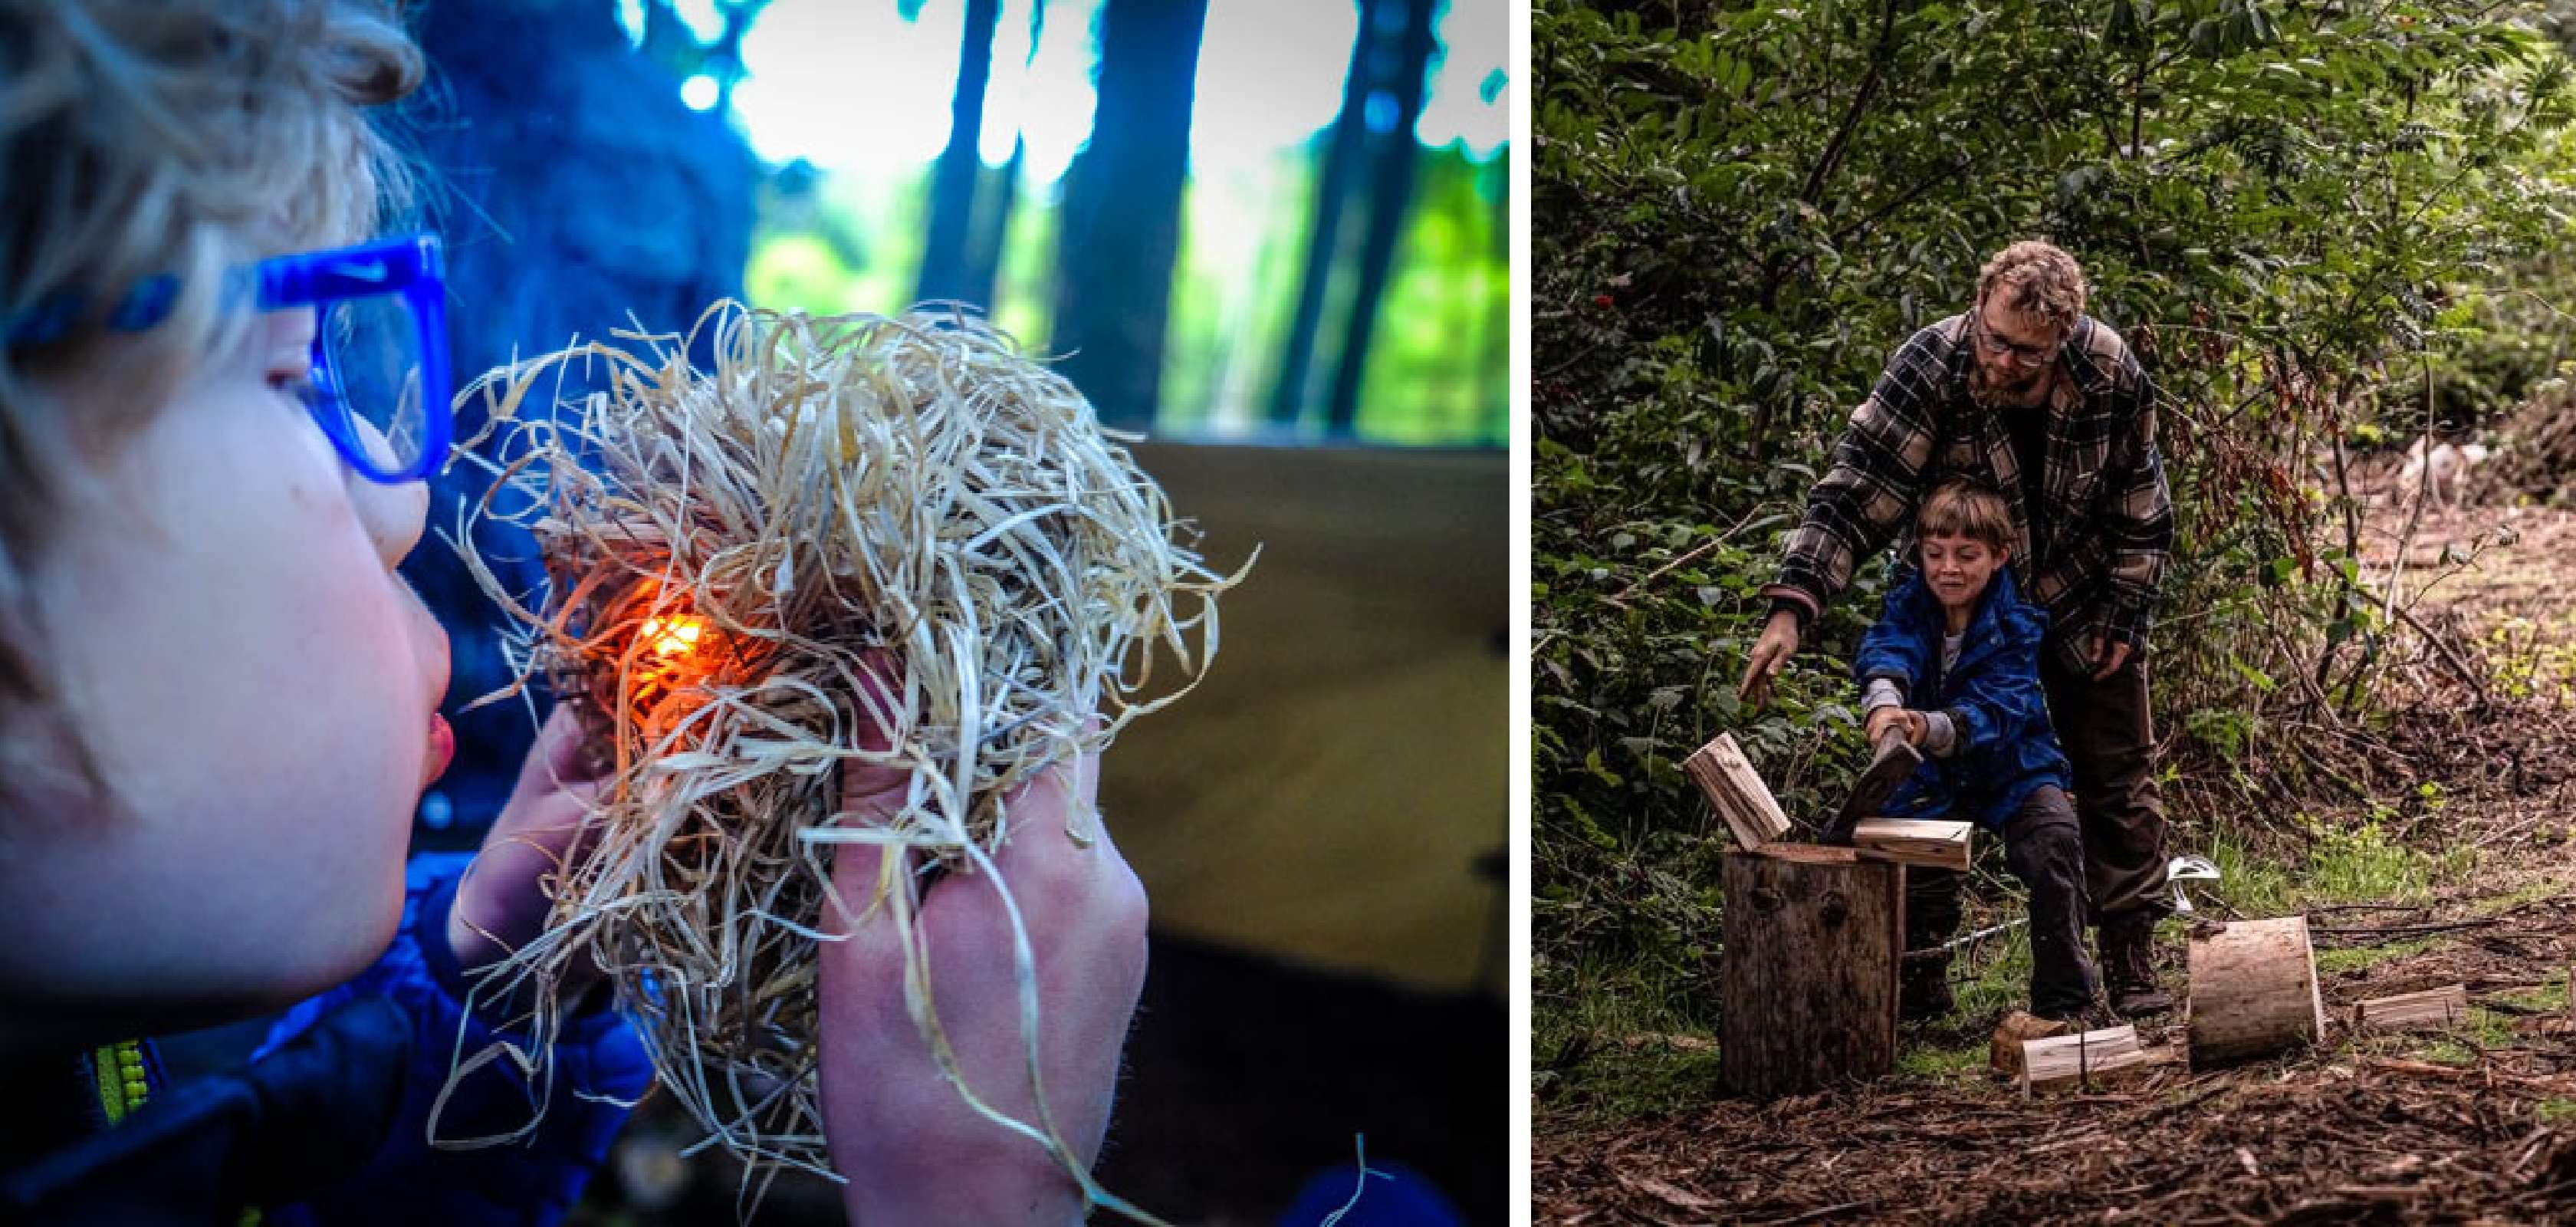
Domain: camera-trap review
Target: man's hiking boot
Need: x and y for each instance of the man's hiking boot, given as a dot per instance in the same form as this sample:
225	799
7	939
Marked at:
1923	990
2129	967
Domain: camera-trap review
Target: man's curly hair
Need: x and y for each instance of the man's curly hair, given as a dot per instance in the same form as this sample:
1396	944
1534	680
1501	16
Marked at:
2037	279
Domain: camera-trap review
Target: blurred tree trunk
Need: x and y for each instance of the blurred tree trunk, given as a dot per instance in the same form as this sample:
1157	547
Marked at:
991	232
1333	189
1390	190
1121	218
1493	401
954	179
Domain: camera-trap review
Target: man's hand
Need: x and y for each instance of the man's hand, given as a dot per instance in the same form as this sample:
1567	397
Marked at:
2107	655
911	1147
506	893
1771	653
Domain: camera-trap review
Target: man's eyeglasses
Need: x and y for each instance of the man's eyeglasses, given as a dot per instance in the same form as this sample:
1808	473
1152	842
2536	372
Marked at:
380	381
2023	355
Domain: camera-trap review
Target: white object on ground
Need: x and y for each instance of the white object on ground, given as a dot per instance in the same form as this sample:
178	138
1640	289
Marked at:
2183	869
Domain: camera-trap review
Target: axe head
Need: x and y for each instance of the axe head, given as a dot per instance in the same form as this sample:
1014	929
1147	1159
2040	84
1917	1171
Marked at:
1889	764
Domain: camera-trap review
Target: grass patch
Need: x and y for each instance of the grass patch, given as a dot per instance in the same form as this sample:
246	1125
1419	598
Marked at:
1938	1064
1997	980
2550	998
2356	863
2490	1028
1609	997
2553	1110
2450	1052
1619	1081
1611	1002
2360	864
2483	1029
2529	892
2250	883
2354	958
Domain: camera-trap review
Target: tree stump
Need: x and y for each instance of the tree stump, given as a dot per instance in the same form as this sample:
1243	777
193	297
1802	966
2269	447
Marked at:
1813	936
2253	990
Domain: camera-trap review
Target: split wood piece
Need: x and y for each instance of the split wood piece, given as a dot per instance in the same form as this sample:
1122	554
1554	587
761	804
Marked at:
2088	1059
1740	797
1809	854
2004	1053
2253	990
2447	1006
1812	937
1908	841
2095	1071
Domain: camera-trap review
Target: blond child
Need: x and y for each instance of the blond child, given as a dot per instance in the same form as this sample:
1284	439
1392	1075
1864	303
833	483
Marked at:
218	701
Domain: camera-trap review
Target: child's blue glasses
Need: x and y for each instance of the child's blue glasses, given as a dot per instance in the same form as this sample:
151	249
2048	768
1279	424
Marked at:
379	386
380	381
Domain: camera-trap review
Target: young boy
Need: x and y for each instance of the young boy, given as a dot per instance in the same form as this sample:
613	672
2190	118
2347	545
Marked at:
217	707
1953	661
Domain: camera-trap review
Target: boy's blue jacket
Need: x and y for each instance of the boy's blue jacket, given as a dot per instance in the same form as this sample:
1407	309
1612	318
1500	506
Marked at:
326	1125
2005	747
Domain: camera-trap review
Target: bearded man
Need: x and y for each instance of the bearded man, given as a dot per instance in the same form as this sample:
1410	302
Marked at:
2026	393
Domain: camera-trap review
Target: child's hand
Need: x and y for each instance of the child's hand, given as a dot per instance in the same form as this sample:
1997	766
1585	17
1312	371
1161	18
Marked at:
1905	720
912	1149
503	900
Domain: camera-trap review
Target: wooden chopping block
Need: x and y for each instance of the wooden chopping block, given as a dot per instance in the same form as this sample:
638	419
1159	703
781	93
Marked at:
1808	969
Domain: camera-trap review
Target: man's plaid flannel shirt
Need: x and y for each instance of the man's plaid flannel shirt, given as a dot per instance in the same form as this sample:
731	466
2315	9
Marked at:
2108	519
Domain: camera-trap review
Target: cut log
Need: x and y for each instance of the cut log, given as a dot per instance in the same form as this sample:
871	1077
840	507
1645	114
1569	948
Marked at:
2088	1059
2253	990
1907	841
2018	1027
2447	1006
1740	797
1809	971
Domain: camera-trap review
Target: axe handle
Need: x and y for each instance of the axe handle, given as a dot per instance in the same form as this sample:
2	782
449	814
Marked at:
1870	791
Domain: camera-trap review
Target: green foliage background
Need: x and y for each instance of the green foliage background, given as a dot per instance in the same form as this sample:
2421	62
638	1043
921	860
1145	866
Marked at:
2302	214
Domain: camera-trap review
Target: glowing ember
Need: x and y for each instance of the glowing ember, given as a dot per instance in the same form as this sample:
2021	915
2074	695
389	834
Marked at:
675	637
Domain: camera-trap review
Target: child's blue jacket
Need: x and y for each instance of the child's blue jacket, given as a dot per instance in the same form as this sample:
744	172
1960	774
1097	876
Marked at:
2004	747
327	1123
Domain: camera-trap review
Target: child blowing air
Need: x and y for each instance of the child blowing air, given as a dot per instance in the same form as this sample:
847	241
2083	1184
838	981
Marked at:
218	707
1953	662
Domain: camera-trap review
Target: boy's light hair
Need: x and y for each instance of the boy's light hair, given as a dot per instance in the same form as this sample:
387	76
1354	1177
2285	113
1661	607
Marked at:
2037	279
149	137
1963	508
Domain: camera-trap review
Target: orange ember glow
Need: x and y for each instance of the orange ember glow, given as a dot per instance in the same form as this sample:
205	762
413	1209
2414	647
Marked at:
676	636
